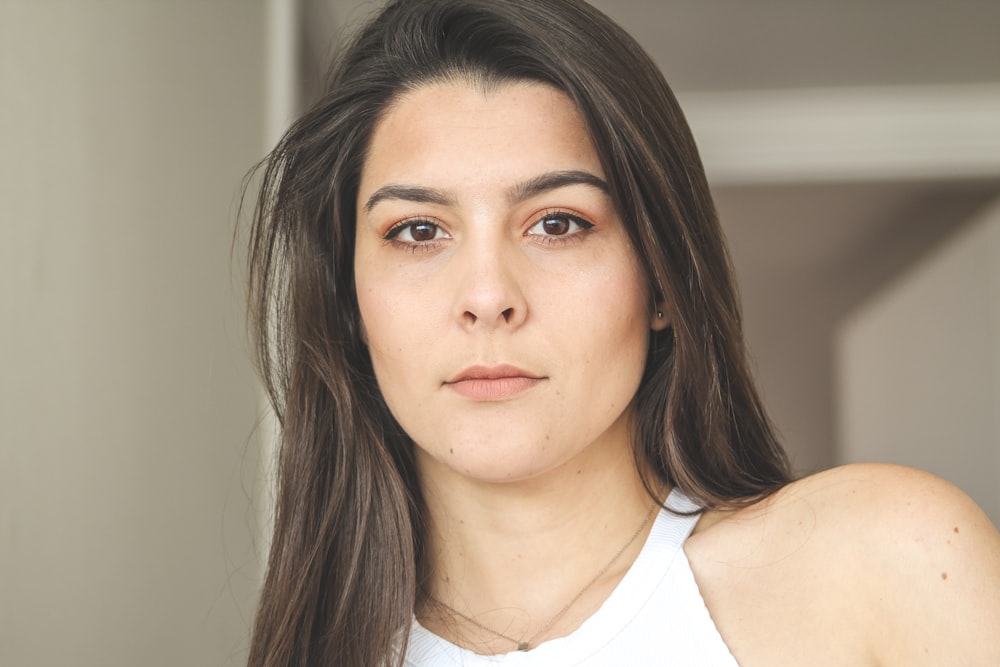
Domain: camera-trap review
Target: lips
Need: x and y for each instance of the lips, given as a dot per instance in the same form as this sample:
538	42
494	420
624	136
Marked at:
492	383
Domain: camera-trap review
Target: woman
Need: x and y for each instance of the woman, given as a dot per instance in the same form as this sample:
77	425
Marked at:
495	315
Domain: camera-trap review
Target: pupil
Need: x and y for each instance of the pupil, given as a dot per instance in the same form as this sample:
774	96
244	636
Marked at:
556	226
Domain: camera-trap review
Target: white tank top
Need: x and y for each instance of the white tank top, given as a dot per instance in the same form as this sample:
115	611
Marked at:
655	616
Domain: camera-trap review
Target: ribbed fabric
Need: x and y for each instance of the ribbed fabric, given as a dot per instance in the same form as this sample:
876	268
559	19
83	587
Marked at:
655	616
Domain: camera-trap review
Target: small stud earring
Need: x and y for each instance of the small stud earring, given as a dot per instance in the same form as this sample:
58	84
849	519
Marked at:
659	314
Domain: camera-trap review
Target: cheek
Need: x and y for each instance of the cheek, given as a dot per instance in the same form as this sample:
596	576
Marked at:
626	321
381	327
396	336
622	298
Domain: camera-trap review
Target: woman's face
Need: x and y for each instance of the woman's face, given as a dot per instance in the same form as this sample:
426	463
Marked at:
504	309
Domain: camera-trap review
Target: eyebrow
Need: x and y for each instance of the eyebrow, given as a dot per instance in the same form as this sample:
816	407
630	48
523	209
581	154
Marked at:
413	193
553	181
535	186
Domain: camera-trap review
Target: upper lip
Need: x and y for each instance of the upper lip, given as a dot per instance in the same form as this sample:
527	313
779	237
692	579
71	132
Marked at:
492	373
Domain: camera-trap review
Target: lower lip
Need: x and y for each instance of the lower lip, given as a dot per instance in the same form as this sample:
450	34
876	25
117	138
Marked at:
496	389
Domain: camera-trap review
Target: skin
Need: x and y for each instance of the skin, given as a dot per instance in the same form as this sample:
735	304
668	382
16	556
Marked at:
859	565
517	483
491	287
459	265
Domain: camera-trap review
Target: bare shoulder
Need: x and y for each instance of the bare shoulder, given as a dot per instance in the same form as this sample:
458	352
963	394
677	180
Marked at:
932	559
901	565
872	503
878	501
890	510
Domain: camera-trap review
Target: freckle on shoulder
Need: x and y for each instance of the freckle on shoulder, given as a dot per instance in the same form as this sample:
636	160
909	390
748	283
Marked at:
884	502
853	500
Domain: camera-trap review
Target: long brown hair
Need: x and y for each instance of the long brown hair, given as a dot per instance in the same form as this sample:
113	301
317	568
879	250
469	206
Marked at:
346	557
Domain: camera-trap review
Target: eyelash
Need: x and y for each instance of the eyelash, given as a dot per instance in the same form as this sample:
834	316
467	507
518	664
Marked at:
584	226
570	236
412	246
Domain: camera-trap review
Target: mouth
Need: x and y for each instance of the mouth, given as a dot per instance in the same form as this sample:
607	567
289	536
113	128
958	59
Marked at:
492	383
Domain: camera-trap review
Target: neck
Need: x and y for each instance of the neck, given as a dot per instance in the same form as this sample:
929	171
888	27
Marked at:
512	556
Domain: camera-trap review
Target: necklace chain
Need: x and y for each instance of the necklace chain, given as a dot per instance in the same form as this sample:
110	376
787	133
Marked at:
527	644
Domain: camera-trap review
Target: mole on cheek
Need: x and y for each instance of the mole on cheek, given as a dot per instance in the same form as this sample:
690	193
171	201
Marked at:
944	576
956	529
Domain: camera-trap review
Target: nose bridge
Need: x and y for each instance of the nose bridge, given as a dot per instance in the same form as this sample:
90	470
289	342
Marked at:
489	289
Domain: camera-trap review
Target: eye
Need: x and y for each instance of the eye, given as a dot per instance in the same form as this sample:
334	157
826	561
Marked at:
559	223
416	231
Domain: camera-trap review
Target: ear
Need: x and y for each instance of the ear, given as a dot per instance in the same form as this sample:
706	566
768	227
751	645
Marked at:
659	320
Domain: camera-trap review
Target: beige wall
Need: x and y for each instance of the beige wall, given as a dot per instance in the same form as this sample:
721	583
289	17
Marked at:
919	366
126	403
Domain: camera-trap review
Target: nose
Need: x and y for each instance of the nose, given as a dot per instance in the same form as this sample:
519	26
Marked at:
490	294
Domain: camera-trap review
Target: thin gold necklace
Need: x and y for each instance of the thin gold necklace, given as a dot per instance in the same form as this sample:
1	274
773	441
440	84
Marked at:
529	643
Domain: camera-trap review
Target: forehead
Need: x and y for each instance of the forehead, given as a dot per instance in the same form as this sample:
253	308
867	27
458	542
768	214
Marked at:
456	131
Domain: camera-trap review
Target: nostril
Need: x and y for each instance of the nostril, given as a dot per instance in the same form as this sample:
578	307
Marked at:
507	314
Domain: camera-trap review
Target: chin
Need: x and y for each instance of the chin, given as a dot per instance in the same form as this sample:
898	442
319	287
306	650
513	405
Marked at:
494	462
